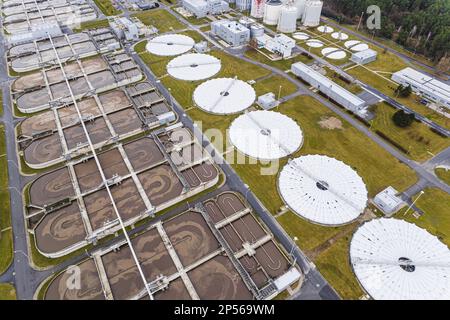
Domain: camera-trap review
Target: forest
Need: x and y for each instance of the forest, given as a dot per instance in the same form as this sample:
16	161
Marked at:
421	26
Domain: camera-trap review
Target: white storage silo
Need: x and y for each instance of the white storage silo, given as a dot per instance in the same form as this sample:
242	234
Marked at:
256	31
288	19
272	11
313	10
243	5
257	10
300	5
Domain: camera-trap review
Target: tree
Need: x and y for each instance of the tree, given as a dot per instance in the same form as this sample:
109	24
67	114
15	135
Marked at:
403	91
403	119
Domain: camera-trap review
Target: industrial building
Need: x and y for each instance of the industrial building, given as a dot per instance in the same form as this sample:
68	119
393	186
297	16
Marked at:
388	201
312	13
364	57
267	101
124	28
232	32
201	8
340	95
281	44
429	88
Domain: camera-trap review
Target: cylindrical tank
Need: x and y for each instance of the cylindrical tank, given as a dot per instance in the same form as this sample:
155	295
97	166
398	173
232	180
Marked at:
257	10
272	11
256	31
288	19
313	10
300	5
243	5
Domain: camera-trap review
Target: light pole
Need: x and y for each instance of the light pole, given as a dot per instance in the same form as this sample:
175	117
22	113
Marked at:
421	193
292	250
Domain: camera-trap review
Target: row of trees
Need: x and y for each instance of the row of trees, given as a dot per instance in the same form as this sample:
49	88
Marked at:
422	26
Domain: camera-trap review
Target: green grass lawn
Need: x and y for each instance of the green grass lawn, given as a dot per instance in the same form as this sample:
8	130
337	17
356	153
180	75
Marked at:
436	218
335	266
388	88
95	24
107	8
6	236
272	84
160	19
443	174
348	145
309	235
418	139
283	64
352	87
1	102
7	292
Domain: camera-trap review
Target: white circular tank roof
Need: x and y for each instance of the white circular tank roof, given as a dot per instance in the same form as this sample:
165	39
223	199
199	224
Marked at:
265	135
314	43
300	36
356	45
396	260
322	189
325	29
170	45
194	66
339	36
224	96
333	53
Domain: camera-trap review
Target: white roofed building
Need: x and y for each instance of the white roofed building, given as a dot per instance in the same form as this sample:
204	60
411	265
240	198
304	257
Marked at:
232	32
342	96
281	44
201	8
429	88
388	201
364	57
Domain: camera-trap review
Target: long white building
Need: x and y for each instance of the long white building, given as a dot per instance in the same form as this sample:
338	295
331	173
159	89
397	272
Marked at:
429	88
342	96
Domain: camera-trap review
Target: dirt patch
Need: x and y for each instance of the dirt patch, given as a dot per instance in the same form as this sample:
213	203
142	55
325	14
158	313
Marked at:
330	123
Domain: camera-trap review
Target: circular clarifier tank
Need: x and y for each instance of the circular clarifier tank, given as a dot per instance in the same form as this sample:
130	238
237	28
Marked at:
170	45
322	190
314	43
265	135
396	260
224	96
333	53
194	66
